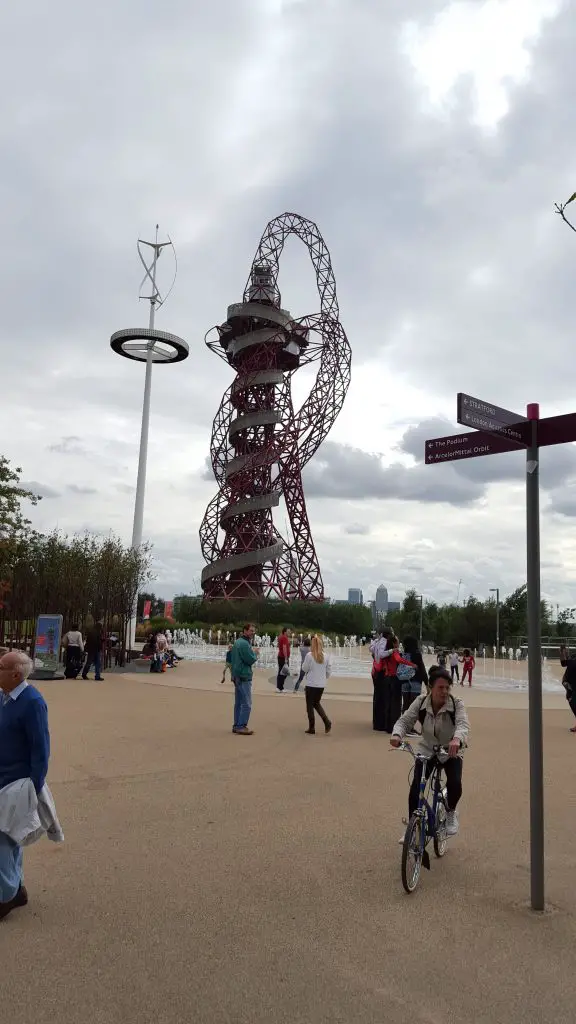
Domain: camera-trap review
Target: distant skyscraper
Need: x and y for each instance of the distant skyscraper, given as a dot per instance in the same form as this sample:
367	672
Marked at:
355	596
382	600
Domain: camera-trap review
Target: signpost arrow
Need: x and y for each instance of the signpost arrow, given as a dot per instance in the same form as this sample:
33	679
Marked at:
466	446
472	412
557	430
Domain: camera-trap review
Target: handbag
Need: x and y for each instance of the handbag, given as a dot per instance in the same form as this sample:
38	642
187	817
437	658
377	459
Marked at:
405	673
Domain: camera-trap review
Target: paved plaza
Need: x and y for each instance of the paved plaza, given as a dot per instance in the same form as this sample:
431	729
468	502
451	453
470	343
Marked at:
215	878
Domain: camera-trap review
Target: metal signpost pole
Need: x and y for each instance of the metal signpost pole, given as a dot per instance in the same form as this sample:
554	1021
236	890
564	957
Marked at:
500	430
534	665
421	617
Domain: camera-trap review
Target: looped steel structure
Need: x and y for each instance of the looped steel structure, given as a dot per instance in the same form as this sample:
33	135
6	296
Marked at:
260	444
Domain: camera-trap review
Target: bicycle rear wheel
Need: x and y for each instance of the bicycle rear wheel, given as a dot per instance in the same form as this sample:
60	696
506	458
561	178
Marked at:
412	853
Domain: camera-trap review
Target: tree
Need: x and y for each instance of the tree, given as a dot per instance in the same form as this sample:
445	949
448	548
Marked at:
12	521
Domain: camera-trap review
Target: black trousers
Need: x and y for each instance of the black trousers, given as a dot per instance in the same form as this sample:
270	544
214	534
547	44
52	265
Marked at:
280	678
380	701
313	698
387	702
73	662
455	671
453	770
571	698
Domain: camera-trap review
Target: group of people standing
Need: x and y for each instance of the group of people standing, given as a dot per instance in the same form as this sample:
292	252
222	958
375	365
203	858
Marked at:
397	679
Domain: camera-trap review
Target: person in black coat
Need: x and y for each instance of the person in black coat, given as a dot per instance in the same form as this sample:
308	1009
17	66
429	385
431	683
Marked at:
569	680
413	688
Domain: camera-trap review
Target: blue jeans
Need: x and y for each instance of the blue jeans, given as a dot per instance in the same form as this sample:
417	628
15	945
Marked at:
242	703
92	658
11	857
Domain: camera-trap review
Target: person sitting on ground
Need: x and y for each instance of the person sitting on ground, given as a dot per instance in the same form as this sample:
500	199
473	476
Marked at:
569	679
444	722
316	668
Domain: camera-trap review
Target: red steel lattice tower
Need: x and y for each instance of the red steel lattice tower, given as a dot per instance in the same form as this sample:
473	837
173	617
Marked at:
260	444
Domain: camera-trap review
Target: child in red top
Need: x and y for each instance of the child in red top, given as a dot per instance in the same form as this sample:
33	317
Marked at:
469	666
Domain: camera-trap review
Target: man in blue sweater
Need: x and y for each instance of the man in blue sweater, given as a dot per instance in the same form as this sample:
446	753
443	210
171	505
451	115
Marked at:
243	657
24	754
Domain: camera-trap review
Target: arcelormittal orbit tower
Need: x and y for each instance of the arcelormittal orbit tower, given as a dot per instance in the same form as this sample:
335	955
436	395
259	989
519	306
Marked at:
260	444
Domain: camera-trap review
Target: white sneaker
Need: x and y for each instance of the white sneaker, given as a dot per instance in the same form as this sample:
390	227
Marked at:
452	823
401	840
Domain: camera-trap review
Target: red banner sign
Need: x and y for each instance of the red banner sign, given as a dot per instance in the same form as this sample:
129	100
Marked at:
147	609
169	610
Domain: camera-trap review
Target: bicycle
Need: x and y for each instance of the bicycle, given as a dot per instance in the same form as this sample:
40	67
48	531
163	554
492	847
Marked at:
427	822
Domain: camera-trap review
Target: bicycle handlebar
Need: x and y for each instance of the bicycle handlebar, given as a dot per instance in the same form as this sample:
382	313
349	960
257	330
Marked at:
421	757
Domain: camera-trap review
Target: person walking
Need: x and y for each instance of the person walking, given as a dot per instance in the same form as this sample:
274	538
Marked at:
469	666
24	754
304	650
74	652
454	664
283	658
243	657
317	670
227	664
413	687
94	640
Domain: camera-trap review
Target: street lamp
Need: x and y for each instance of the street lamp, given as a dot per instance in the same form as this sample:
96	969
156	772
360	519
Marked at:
147	346
421	618
496	590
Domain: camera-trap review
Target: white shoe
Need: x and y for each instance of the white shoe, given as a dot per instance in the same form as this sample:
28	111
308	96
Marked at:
452	823
401	840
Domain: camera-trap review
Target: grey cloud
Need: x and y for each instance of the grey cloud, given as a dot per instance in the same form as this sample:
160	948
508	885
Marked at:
357	529
70	445
340	471
125	488
452	268
414	439
43	490
78	489
207	471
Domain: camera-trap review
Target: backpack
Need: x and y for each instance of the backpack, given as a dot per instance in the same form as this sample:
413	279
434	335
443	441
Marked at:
422	711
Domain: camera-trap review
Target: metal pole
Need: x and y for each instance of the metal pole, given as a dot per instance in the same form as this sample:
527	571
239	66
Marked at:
534	666
498	620
421	617
143	456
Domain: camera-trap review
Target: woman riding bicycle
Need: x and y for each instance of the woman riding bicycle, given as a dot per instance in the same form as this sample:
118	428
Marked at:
444	723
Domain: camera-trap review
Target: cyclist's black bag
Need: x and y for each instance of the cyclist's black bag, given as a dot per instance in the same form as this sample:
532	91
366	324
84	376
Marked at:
422	711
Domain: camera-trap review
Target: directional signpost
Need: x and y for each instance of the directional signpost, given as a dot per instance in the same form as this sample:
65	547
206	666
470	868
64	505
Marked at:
499	430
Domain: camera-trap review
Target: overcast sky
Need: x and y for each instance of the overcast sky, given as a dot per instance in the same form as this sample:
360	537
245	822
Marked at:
428	140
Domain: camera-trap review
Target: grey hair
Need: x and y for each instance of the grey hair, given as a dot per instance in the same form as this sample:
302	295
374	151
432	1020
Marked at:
24	663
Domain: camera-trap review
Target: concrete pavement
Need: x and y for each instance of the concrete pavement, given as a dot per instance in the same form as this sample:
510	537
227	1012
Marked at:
212	878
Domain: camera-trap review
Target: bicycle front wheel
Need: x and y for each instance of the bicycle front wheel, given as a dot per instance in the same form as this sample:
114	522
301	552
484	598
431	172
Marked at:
440	837
412	854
